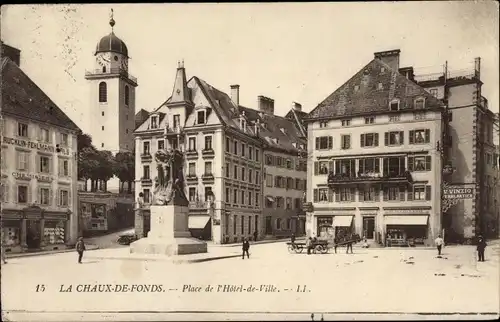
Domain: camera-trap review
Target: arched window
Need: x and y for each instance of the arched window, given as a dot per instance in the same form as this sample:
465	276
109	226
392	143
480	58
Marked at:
103	92
103	69
127	95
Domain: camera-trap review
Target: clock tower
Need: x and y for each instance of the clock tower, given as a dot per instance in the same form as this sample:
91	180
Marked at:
112	97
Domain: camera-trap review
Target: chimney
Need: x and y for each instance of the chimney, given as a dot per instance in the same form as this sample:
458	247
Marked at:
407	72
266	104
477	67
297	106
235	94
390	57
12	53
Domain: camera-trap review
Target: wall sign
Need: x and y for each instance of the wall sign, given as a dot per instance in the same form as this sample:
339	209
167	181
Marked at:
34	145
29	176
457	191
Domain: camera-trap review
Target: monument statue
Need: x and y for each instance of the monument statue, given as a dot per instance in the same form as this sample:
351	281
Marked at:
169	184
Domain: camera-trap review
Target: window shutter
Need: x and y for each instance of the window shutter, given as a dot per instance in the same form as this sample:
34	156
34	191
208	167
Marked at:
362	140
316	168
330	142
412	137
402	193
411	162
386	194
51	197
51	166
315	197
410	193
428	160
39	196
38	163
337	195
353	194
427	136
29	194
330	195
386	138
317	143
376	139
18	159
58	197
401	137
361	195
331	166
427	192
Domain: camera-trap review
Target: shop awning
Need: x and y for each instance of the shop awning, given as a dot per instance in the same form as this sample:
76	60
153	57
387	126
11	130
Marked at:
342	221
198	222
406	220
271	199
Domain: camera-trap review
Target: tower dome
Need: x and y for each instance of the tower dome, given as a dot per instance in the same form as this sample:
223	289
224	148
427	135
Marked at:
111	43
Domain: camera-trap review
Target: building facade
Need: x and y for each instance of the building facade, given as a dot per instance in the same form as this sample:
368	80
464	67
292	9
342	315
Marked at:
471	151
39	167
374	166
112	99
224	156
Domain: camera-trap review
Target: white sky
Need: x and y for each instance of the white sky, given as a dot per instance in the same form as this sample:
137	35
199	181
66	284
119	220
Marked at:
287	51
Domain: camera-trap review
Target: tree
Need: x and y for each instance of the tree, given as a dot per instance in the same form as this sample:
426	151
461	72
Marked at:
86	157
124	169
104	170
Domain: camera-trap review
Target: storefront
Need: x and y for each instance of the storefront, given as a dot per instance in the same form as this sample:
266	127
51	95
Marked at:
200	226
334	226
94	216
33	229
409	230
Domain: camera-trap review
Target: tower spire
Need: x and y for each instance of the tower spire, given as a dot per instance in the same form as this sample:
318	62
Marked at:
111	20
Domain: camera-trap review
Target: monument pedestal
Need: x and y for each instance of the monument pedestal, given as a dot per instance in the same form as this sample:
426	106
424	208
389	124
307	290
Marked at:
169	234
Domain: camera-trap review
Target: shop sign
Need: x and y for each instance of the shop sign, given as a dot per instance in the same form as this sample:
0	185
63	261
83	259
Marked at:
34	145
29	176
457	192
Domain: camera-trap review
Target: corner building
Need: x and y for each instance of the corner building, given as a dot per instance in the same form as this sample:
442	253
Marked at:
223	144
39	166
373	163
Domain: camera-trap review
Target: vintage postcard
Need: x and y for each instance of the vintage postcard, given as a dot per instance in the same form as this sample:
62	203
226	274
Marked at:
250	161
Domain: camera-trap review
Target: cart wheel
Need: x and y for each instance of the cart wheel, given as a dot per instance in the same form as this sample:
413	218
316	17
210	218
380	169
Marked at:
290	248
318	249
324	250
299	249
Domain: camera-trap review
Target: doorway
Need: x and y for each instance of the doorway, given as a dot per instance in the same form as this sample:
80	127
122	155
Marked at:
269	226
369	227
33	234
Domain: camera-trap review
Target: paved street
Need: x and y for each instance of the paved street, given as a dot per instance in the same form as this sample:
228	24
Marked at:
372	280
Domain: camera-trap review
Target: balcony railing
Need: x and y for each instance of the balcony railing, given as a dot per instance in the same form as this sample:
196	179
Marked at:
191	177
111	72
396	176
173	130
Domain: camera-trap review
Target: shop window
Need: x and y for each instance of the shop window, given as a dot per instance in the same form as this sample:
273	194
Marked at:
10	233
22	194
54	232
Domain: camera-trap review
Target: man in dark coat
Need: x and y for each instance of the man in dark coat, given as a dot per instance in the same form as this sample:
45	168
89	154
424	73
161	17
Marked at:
80	248
255	235
349	244
246	247
481	245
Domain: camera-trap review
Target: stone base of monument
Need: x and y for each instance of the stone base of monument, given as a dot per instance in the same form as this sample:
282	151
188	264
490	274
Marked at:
169	234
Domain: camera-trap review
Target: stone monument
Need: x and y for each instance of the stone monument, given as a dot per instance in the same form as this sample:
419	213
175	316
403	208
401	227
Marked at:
169	234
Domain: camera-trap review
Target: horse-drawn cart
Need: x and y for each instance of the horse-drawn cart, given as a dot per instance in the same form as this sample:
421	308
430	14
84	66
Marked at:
323	245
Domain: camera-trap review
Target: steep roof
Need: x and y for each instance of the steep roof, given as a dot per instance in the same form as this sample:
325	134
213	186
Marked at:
349	100
22	97
140	117
298	118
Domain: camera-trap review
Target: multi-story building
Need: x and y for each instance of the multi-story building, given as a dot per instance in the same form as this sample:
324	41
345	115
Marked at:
373	167
39	168
471	152
223	146
112	99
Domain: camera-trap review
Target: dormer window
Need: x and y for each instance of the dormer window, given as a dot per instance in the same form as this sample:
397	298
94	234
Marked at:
154	122
394	105
201	117
420	103
243	125
346	122
257	129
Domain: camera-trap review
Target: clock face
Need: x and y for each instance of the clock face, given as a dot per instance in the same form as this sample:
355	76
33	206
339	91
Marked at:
102	60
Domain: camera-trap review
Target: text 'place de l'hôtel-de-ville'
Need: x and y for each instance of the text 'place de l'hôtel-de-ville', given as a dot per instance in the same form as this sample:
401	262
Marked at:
378	157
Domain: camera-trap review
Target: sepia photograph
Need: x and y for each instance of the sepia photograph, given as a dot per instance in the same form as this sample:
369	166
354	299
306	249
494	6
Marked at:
250	161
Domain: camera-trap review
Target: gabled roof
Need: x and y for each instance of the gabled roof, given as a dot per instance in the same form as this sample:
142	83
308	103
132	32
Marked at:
22	97
298	118
140	117
349	100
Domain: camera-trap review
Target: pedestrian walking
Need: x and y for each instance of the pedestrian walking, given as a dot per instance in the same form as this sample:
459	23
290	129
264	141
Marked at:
439	244
335	243
80	248
246	247
255	235
309	245
349	244
481	245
